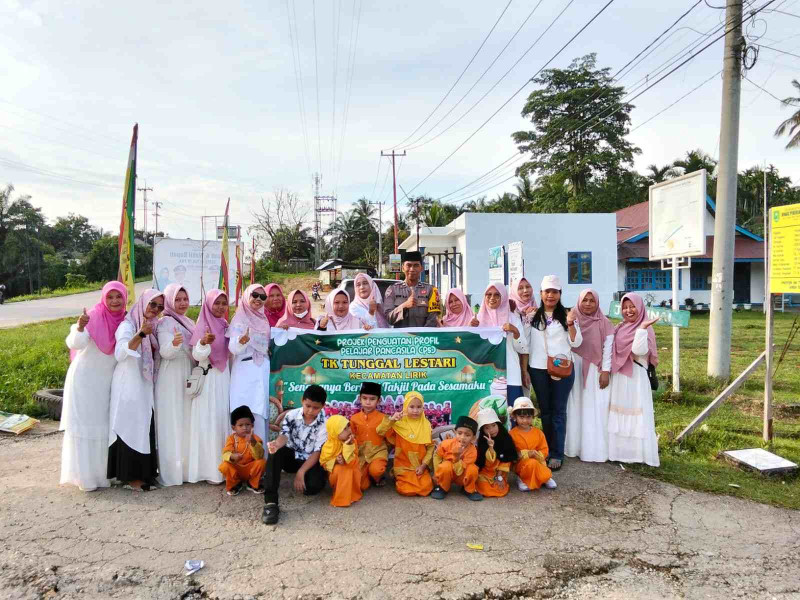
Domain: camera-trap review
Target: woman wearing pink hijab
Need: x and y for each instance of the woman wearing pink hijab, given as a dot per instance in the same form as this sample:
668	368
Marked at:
587	407
132	436
337	315
521	293
173	406
275	305
458	312
210	420
367	306
298	312
249	335
87	390
496	311
631	420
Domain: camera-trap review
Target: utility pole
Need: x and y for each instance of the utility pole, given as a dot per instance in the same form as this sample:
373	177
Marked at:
156	214
145	189
770	328
393	154
719	342
380	234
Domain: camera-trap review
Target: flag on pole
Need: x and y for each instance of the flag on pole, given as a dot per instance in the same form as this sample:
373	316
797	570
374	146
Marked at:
127	264
239	274
253	263
223	283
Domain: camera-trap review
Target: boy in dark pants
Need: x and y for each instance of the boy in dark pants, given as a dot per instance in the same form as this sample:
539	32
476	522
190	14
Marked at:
297	451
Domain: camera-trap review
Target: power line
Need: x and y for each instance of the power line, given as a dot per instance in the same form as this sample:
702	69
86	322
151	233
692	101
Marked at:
47	173
770	93
676	101
336	22
464	70
524	85
778	50
298	74
349	85
316	75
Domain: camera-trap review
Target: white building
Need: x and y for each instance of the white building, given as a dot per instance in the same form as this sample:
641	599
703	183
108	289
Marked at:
580	248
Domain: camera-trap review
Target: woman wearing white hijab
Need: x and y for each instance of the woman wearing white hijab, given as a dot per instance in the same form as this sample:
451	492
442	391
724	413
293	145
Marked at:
367	305
337	315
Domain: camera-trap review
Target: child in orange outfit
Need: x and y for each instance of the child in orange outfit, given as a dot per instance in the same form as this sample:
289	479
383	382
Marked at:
243	455
454	462
531	445
372	450
339	456
496	452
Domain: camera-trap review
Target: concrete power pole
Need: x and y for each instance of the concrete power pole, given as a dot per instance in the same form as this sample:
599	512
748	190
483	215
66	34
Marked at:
380	236
394	185
719	342
145	189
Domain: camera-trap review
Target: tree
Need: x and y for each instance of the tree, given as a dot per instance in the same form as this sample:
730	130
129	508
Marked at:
281	223
102	262
791	126
660	174
750	195
72	236
580	123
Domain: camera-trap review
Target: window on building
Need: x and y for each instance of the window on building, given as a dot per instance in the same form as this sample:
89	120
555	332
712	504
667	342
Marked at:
648	279
580	267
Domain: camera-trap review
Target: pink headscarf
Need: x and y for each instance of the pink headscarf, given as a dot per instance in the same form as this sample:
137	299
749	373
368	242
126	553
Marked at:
494	317
621	359
273	316
374	295
256	321
103	323
171	317
217	326
341	323
595	328
513	293
464	317
149	346
289	317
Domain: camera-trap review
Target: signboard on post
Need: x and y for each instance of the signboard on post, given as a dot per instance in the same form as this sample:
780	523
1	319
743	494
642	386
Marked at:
233	231
666	316
497	265
183	261
395	264
516	265
784	248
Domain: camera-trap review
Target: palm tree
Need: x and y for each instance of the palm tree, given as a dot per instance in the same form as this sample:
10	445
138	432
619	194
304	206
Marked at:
658	174
696	160
791	126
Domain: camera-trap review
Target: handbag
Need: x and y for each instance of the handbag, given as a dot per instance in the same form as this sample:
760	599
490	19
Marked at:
196	380
558	367
651	374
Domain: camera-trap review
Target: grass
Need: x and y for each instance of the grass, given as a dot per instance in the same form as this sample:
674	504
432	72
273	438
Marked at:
48	293
34	357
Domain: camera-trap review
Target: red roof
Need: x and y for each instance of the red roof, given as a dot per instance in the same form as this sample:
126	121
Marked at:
745	248
635	219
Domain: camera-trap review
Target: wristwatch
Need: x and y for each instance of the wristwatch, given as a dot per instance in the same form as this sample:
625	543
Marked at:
142	335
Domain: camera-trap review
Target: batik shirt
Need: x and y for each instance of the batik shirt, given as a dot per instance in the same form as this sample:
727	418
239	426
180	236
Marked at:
304	439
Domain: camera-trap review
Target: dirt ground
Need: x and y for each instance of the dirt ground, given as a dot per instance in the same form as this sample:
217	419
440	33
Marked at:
604	533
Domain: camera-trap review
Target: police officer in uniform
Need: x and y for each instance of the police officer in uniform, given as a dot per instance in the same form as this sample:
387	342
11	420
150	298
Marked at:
412	303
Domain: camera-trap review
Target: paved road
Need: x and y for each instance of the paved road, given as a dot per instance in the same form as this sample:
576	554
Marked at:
21	313
604	533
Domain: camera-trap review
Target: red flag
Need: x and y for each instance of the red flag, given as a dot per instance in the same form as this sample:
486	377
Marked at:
223	283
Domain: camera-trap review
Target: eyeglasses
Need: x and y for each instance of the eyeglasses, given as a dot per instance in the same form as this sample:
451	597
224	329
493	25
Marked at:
256	295
156	306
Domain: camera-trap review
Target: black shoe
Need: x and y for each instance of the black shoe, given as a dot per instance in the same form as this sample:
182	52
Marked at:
438	493
235	491
258	490
474	496
270	515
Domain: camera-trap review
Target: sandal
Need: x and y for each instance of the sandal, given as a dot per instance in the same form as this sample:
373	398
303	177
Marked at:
554	464
381	482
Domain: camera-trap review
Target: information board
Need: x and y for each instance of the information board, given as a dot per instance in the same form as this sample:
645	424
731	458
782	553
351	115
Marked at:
784	249
516	266
677	217
497	265
182	261
666	316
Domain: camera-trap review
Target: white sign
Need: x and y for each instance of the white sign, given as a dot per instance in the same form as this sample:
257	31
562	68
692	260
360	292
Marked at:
677	217
497	265
233	232
182	261
516	266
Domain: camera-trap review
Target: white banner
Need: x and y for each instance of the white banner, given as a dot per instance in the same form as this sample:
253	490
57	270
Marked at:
515	262
183	261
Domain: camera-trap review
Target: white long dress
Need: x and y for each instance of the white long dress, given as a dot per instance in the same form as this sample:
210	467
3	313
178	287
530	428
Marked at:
131	395
210	421
631	421
84	413
173	408
250	384
587	411
515	347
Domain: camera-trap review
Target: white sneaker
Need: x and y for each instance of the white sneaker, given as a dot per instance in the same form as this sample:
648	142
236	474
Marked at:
550	484
522	487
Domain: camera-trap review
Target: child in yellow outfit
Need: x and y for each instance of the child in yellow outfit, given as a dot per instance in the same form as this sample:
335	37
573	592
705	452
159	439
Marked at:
339	456
372	450
454	462
531	445
243	455
496	452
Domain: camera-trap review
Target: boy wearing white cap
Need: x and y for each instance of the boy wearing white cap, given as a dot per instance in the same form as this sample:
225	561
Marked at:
531	448
554	333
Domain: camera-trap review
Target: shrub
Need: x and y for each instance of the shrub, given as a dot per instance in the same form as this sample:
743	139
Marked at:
74	280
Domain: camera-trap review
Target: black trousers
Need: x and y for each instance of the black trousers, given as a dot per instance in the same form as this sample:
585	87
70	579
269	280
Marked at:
285	460
126	464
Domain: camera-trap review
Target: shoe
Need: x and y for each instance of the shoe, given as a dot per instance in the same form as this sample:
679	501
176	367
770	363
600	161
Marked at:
474	496
235	491
522	487
554	464
270	515
438	493
258	490
550	484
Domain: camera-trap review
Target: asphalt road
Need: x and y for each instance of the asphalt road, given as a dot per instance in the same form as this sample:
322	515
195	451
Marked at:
32	311
604	533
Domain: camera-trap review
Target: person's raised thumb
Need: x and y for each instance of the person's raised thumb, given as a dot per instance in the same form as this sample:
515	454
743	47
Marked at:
247	333
84	312
208	330
175	330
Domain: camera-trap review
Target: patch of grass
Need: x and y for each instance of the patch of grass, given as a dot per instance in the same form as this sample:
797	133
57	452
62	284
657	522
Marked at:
48	293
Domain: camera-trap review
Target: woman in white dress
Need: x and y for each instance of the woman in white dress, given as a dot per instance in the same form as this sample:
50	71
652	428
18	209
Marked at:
87	390
631	420
132	437
496	311
521	292
249	335
337	315
587	407
368	303
173	406
210	416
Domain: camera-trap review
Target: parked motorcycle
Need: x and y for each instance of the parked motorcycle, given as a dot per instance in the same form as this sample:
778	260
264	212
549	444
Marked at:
2	294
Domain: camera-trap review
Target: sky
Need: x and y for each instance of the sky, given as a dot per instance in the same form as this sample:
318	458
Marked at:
232	100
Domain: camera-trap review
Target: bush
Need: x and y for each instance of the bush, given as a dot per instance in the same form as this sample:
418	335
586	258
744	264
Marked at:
74	280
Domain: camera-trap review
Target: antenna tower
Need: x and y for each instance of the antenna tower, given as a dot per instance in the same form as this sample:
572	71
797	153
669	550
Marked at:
323	205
